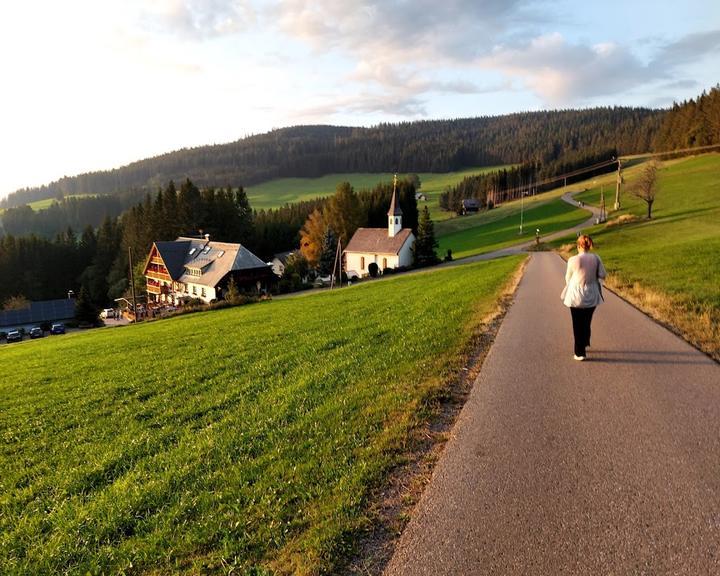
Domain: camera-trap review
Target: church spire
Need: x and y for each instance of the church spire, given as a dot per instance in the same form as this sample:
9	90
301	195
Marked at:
395	212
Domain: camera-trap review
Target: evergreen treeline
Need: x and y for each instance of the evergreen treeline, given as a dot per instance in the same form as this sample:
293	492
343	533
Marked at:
695	122
98	261
42	269
506	184
423	146
66	213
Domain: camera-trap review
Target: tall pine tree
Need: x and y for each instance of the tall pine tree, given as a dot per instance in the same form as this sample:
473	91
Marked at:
327	254
425	244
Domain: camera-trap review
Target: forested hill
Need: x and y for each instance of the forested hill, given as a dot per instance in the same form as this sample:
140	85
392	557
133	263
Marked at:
423	146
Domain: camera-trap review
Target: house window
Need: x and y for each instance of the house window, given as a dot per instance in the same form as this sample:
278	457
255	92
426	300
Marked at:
202	292
384	263
194	290
362	262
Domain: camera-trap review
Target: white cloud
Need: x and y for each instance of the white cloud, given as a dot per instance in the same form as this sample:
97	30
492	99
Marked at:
196	19
562	73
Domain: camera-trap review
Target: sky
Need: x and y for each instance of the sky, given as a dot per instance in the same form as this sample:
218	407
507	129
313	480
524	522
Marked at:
95	84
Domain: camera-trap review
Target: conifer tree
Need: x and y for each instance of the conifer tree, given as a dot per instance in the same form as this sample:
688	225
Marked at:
327	254
425	244
85	310
232	294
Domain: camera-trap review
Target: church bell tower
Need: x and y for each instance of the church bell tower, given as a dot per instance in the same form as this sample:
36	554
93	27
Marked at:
395	213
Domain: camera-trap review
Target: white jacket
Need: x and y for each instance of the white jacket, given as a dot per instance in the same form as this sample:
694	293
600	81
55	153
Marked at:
582	281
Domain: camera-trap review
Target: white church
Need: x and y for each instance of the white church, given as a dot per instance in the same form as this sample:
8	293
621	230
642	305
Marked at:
389	247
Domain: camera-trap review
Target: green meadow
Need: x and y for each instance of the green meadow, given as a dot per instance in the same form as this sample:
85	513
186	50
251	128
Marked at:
44	204
669	265
281	191
243	440
500	227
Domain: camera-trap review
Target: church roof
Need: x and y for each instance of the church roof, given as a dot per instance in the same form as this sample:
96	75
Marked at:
395	209
377	241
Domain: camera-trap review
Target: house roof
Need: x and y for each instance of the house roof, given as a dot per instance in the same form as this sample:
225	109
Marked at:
174	255
282	257
42	311
395	209
377	241
214	260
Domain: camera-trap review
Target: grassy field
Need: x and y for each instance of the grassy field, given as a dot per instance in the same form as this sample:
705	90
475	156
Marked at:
240	441
44	204
669	266
500	227
287	190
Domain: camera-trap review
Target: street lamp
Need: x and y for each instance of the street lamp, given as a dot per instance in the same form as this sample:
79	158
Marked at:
522	210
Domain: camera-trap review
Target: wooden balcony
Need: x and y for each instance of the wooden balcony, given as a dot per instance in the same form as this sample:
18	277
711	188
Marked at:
154	289
157	260
155	275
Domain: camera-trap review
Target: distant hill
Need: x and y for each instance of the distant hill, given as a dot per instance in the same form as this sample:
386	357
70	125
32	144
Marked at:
423	146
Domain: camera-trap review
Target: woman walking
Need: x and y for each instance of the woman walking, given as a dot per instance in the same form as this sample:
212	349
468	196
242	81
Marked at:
583	292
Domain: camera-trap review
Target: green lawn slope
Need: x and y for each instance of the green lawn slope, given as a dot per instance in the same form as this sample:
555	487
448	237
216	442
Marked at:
243	440
668	266
281	191
500	227
44	204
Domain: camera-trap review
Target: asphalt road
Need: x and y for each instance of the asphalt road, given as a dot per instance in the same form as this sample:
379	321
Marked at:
609	466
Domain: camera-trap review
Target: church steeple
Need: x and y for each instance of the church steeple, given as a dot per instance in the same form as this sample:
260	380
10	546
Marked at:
395	212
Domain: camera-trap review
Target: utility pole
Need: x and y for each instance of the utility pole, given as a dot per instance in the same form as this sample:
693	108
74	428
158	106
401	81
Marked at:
603	212
337	265
617	185
132	283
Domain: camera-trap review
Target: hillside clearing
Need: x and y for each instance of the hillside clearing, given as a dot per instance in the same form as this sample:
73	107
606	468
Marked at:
279	192
245	439
45	204
500	227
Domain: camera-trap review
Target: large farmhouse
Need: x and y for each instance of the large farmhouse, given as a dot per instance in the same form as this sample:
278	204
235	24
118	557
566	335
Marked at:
198	268
389	247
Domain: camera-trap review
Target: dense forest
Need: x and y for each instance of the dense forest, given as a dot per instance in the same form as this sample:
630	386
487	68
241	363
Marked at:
423	146
98	260
56	258
695	123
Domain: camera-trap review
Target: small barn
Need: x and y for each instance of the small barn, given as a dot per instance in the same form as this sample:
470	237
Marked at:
470	205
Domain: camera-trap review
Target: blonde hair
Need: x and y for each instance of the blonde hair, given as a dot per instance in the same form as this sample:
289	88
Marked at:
584	242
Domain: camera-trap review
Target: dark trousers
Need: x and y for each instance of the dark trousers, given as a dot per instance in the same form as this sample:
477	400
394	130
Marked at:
581	319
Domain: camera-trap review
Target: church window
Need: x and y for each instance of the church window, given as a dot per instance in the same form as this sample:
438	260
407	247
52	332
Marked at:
362	262
396	220
384	263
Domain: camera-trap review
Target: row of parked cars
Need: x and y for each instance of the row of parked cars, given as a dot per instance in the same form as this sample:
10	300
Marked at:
36	332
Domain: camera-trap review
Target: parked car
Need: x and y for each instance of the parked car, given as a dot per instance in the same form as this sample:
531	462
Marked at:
107	313
57	329
14	336
36	333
